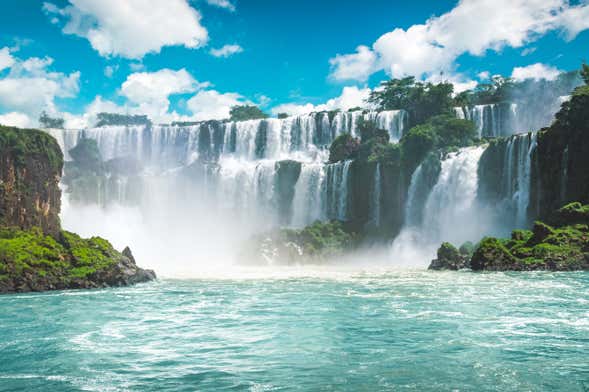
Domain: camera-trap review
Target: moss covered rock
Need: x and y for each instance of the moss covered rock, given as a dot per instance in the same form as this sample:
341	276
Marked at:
33	261
449	258
319	243
559	248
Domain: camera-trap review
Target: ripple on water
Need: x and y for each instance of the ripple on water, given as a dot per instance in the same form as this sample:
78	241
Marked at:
306	330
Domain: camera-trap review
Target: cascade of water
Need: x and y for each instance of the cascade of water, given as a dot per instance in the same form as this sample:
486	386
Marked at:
524	179
565	174
376	197
450	212
308	203
410	213
450	209
517	175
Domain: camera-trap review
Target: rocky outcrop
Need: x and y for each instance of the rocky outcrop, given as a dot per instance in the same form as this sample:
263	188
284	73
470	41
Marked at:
35	254
450	258
30	169
564	247
33	261
319	243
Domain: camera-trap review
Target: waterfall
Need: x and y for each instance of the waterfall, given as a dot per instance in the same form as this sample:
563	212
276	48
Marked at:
450	212
376	197
450	209
410	213
517	177
336	190
565	175
308	201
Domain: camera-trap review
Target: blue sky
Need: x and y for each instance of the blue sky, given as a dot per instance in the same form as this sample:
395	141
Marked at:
164	57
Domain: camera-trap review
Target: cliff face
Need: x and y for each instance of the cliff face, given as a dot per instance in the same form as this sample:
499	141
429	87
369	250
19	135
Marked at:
563	156
30	168
35	254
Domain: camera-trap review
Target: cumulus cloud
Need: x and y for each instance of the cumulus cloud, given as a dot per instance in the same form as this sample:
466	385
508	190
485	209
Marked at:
16	119
222	4
358	66
226	51
131	28
6	59
213	105
30	87
428	48
150	91
351	97
535	71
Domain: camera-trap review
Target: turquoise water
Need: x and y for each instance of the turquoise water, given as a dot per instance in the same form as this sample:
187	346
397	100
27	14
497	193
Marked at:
416	331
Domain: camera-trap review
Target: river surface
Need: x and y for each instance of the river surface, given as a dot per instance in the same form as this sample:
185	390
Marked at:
304	330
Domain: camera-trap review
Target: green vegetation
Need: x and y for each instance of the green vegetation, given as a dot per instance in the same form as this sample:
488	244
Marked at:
282	115
421	100
323	239
31	253
23	143
561	247
585	73
246	112
344	147
104	119
50	122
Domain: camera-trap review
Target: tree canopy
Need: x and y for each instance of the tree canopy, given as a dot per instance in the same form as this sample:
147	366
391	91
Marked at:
246	112
104	119
422	100
50	122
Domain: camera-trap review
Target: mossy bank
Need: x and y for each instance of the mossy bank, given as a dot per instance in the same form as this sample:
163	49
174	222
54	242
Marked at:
35	253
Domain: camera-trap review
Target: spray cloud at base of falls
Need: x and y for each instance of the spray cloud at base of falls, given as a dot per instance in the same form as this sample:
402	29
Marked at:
202	188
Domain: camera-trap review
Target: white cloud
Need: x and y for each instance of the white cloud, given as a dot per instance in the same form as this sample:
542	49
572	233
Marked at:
226	51
425	49
131	28
110	70
535	71
150	91
6	59
31	87
222	4
16	119
213	105
358	66
485	75
351	97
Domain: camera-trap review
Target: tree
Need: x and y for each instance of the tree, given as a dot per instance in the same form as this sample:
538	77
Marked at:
421	100
50	122
369	130
585	73
282	115
343	147
104	119
246	112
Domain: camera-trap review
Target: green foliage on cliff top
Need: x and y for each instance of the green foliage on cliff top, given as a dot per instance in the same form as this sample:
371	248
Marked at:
69	257
343	147
421	100
105	119
246	112
23	142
